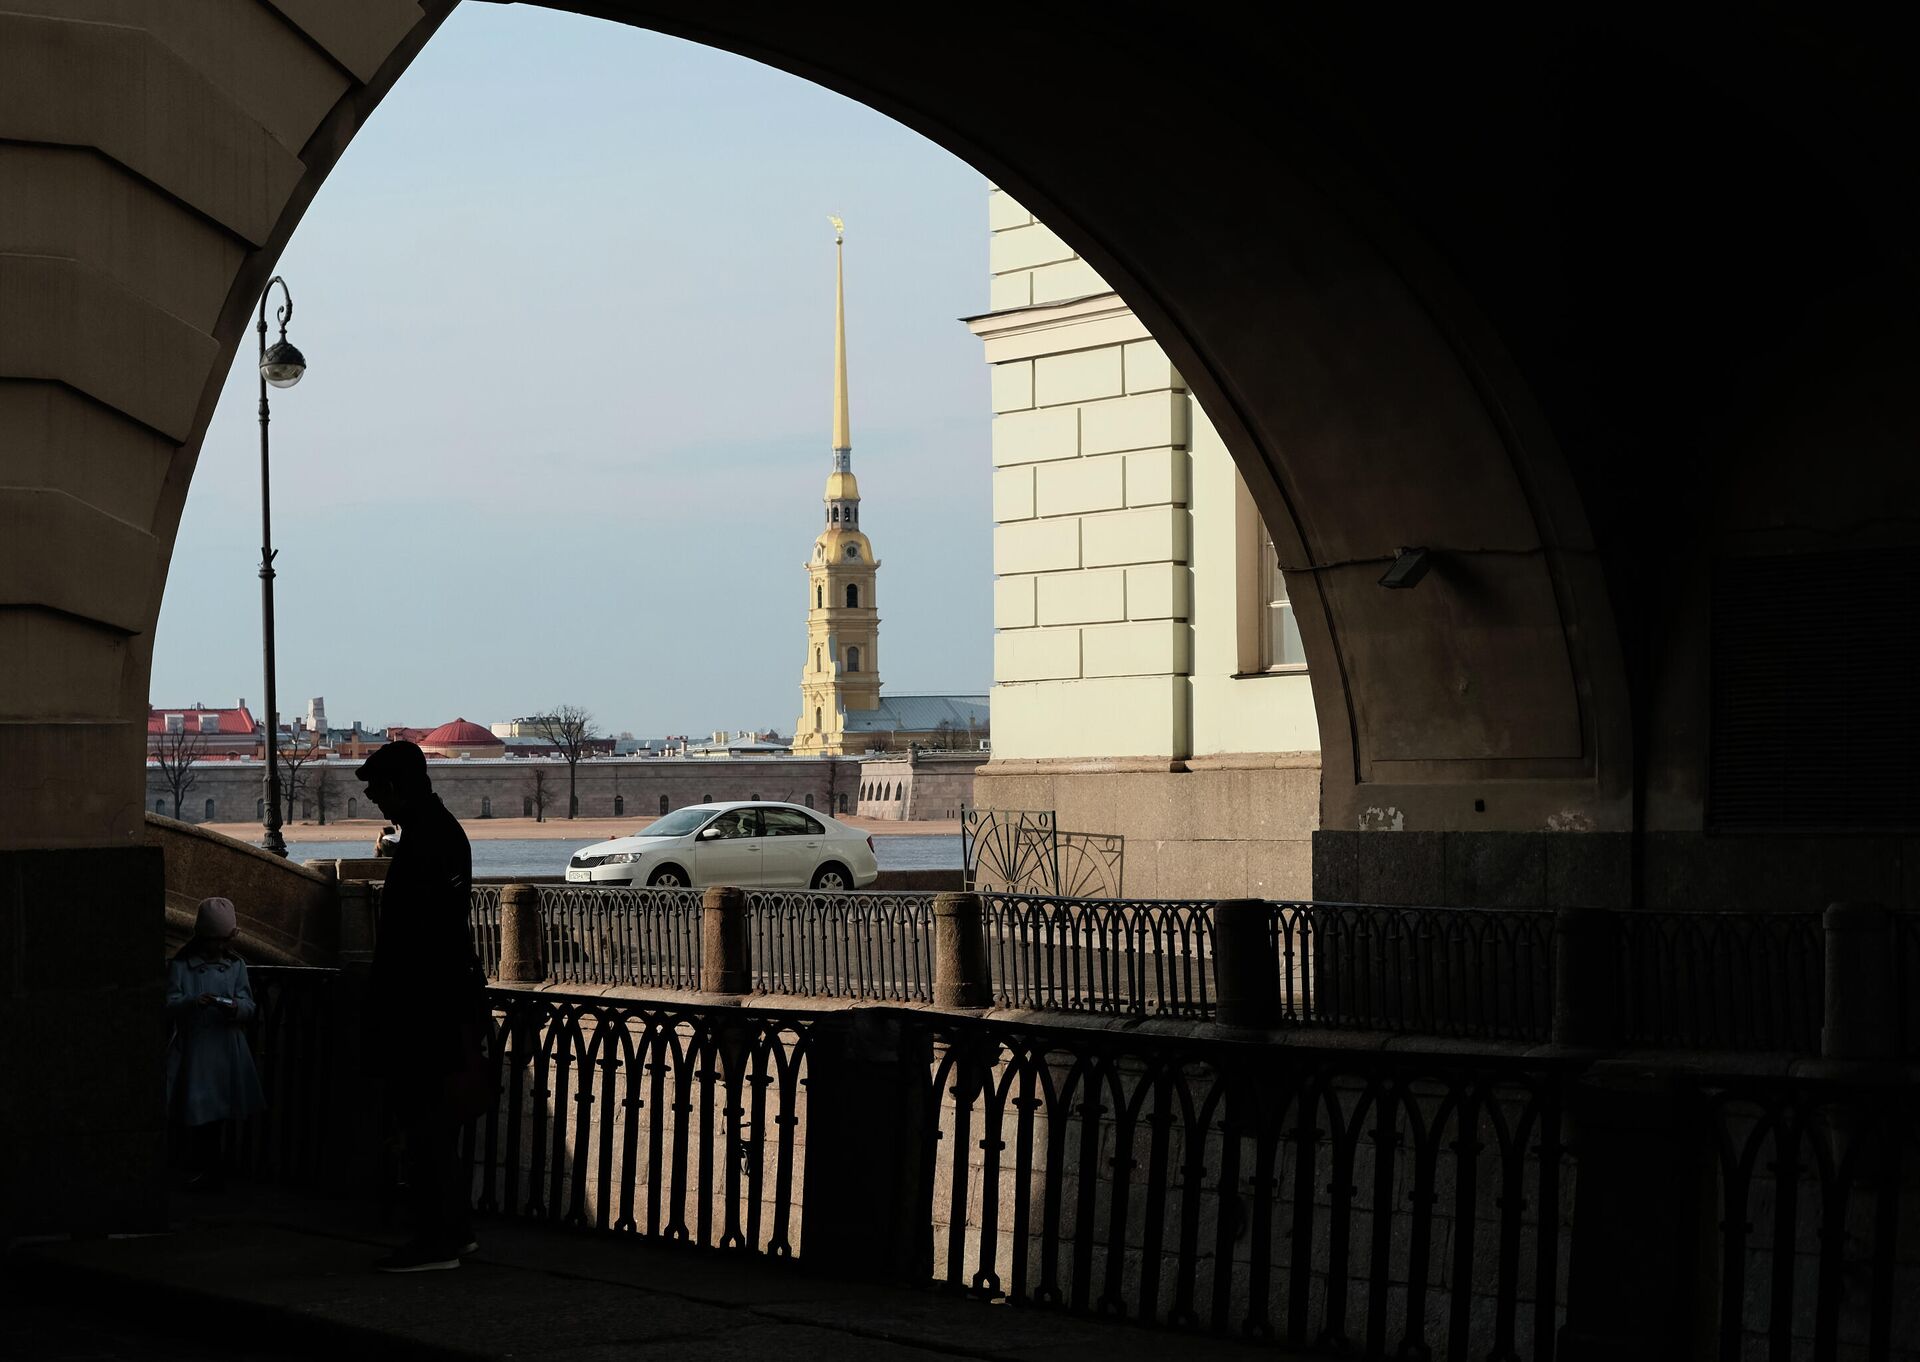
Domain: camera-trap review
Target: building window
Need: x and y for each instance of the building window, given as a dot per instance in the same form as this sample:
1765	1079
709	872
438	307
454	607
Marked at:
853	659
619	805
159	806
526	806
843	803
486	807
210	722
1280	648
663	804
176	723
259	808
816	659
819	597
706	799
816	718
209	810
353	808
809	801
1268	634
306	809
853	596
836	515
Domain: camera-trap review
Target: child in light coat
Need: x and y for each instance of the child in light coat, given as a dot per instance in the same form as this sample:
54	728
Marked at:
210	1073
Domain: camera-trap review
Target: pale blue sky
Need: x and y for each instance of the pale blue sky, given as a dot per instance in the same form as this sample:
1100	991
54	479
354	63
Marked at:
568	306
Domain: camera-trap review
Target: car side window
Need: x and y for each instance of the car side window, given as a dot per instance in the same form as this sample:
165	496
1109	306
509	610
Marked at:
790	823
738	823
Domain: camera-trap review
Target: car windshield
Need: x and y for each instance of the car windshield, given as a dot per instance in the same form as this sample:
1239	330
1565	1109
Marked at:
676	824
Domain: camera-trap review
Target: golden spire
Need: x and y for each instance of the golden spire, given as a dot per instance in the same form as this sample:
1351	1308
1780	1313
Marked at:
842	437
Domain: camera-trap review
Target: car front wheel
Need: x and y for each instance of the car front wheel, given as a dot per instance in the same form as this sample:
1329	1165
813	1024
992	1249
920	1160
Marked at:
668	877
833	877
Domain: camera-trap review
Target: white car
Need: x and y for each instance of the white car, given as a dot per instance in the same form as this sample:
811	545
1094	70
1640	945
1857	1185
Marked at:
753	846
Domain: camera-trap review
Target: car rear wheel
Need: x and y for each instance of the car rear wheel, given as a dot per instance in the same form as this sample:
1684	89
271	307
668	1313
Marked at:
668	877
833	876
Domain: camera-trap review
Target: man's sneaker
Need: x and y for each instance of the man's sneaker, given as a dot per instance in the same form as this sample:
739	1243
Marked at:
418	1258
472	1246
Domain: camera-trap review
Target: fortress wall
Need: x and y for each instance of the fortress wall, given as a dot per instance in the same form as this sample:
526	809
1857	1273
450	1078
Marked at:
607	788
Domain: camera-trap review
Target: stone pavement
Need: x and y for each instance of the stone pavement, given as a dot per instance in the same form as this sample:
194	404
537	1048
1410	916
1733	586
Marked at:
278	1276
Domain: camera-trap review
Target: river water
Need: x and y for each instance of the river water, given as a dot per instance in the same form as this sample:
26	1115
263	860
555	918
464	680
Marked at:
545	856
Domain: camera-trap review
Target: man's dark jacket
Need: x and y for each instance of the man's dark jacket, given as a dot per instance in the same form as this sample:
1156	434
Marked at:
427	992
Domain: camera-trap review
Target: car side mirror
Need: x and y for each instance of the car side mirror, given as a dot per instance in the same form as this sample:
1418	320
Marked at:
708	834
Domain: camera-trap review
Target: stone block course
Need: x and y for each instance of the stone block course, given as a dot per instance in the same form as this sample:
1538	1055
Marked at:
1070	487
1153	535
1159	591
1078	376
1082	597
1005	212
1149	421
1012	385
1149	648
1036	655
1013	602
1157	476
1013	494
1036	546
1148	369
1024	248
1069	279
1006	291
1036	436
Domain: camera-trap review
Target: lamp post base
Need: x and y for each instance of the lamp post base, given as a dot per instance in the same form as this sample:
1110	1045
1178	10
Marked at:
273	842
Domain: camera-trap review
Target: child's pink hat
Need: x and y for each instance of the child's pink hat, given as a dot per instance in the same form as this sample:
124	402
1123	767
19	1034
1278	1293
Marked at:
215	919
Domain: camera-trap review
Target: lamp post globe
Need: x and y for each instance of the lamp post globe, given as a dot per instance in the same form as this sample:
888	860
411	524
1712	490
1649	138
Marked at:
283	364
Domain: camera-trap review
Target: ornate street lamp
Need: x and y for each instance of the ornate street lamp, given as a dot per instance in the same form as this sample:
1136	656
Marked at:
281	365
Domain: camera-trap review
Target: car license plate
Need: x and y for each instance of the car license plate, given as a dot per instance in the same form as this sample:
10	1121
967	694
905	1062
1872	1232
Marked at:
576	876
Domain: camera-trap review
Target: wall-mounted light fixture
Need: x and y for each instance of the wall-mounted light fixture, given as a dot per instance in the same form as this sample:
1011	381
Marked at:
1409	566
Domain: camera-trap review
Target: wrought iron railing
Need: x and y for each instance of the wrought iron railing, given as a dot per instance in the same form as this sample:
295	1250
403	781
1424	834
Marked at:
872	946
1359	1203
1024	851
1147	956
1810	1194
1722	981
483	926
294	1036
647	938
671	1121
1747	981
1481	973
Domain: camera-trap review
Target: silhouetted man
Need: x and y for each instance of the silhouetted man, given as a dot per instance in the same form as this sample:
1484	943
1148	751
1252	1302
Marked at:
426	1004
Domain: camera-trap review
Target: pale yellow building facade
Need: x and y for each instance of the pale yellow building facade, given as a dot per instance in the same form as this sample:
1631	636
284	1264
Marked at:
1148	678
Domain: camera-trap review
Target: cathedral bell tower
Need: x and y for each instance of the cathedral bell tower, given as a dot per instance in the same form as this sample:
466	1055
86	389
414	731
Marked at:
842	672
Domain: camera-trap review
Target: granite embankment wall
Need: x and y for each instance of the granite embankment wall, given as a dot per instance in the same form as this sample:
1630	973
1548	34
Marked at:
615	788
927	785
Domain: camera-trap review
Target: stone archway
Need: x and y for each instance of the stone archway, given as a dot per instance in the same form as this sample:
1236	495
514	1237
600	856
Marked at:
1439	285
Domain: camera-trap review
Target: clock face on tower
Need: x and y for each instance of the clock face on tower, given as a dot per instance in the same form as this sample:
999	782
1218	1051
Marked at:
853	550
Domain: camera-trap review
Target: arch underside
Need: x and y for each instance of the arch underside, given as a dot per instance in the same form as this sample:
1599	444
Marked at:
1590	314
1436	286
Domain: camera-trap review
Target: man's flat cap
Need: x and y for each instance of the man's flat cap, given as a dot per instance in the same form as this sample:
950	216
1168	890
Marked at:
397	762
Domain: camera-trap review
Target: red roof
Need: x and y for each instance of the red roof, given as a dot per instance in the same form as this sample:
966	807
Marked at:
232	721
461	733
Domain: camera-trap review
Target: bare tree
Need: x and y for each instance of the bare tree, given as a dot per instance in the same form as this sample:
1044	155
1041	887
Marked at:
177	752
542	796
320	786
293	784
568	727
